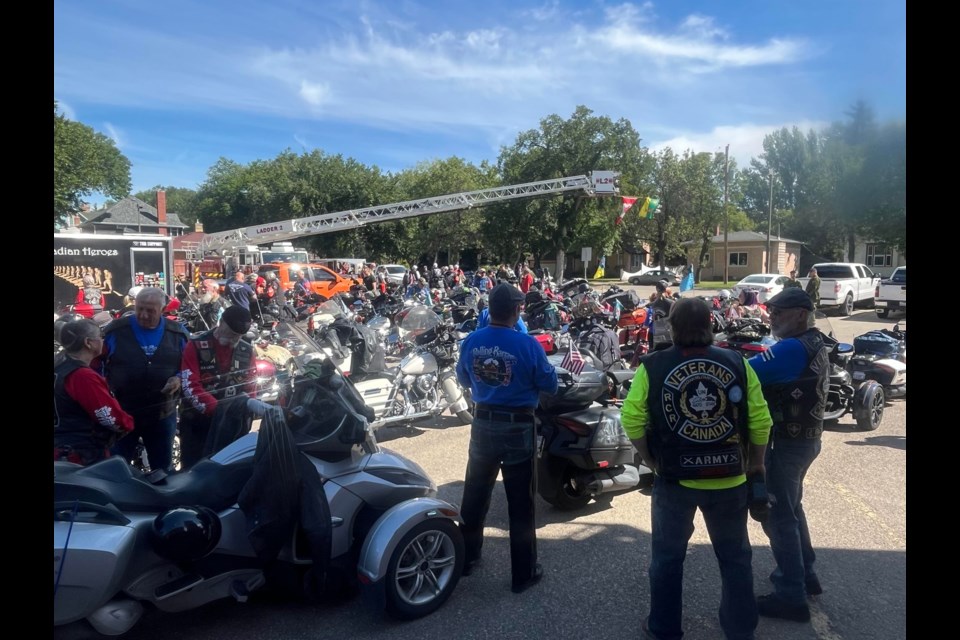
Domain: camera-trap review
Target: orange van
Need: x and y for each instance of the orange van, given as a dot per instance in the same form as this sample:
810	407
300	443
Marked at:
323	281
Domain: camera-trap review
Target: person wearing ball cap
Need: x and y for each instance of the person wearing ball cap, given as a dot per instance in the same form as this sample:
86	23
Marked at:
696	416
506	370
217	366
794	374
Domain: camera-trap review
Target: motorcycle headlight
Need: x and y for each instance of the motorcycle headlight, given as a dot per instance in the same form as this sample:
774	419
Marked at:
610	432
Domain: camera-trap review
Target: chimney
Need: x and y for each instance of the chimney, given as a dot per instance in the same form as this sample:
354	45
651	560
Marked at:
198	227
162	211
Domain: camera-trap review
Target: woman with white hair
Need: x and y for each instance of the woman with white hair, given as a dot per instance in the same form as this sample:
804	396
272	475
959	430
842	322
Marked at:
87	419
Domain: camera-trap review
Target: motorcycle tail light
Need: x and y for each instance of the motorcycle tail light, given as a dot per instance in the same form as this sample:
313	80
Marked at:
723	344
265	369
758	348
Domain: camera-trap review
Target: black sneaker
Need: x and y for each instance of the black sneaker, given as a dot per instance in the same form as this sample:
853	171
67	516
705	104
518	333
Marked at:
770	606
812	583
470	567
532	580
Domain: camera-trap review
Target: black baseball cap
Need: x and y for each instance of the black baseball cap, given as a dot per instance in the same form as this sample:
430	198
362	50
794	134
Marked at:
792	298
237	318
503	298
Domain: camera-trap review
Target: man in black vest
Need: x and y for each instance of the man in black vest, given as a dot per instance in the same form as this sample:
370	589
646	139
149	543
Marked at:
696	415
217	366
795	374
141	362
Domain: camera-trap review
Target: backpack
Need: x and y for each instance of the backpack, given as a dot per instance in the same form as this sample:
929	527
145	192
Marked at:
602	342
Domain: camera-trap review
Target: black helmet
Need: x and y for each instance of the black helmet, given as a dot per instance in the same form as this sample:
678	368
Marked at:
662	286
583	288
186	533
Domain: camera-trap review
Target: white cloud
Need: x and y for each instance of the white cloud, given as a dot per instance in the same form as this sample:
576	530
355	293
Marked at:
315	94
300	140
745	140
114	134
66	110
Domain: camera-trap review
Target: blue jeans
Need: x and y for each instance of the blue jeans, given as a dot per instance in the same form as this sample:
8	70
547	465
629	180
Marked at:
157	435
787	462
506	447
725	514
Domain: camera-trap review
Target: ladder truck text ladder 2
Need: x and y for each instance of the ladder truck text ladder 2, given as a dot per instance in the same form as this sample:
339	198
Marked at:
597	183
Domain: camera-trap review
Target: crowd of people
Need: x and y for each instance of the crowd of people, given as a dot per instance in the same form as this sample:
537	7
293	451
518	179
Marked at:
707	421
121	385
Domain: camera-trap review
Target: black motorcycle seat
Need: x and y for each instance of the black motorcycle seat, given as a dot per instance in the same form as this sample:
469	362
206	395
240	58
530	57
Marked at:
208	483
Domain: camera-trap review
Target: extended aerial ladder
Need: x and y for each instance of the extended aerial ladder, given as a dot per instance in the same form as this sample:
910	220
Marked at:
596	183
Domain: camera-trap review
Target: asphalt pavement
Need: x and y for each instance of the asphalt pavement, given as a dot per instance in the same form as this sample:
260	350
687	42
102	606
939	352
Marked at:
595	560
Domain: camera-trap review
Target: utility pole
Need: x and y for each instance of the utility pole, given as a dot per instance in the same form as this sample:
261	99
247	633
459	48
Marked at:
769	223
726	217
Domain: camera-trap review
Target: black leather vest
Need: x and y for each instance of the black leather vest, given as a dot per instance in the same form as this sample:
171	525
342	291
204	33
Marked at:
698	412
134	378
71	424
240	372
797	406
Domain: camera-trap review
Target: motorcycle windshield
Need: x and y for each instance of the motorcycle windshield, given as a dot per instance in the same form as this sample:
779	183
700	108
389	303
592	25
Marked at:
824	325
297	342
419	319
330	307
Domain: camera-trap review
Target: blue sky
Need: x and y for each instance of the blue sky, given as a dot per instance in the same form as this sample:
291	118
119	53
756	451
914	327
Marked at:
179	84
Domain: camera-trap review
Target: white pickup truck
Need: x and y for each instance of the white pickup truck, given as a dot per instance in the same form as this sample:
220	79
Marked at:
845	284
891	294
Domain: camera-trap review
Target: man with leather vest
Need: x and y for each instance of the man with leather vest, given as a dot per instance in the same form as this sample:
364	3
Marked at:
218	365
141	362
696	415
795	374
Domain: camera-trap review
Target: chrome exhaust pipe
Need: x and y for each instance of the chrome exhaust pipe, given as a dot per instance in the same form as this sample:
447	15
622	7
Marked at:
612	480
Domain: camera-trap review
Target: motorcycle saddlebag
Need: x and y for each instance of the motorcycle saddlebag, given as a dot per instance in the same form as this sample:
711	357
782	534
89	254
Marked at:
89	571
876	343
588	385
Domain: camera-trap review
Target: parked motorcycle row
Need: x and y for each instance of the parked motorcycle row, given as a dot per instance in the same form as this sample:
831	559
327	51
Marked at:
312	505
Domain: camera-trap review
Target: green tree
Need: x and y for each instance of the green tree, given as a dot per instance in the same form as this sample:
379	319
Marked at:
180	201
559	148
670	225
84	161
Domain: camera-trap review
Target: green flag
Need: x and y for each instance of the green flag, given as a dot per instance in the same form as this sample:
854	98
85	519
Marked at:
651	207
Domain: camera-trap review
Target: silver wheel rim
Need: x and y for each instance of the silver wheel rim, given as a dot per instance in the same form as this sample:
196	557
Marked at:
876	409
425	568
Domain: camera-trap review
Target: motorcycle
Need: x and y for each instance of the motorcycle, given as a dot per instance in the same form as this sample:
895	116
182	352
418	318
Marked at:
865	400
422	386
374	523
582	449
882	356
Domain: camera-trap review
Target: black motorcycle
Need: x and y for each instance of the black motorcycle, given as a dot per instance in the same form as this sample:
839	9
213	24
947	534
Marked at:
582	449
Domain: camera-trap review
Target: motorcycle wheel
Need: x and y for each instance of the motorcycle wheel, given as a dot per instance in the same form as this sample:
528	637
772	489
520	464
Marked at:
568	497
424	569
868	404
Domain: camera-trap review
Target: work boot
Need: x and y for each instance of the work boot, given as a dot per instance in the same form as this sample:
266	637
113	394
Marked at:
770	606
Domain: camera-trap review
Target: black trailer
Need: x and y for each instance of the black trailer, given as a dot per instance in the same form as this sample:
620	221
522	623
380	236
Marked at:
116	262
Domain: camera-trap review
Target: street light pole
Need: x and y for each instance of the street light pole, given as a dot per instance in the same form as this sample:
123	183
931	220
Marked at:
726	218
769	223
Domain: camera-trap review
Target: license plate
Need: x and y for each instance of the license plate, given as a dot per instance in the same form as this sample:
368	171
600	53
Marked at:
859	375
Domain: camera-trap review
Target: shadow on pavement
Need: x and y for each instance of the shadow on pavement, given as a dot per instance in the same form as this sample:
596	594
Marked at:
894	442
